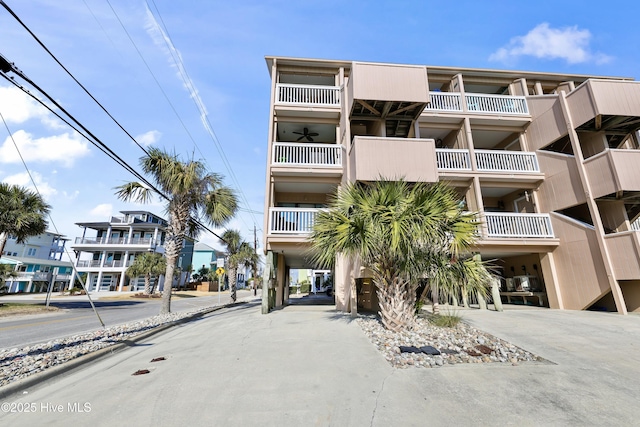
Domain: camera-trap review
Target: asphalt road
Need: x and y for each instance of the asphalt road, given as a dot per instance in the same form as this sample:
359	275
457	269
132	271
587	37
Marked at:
76	316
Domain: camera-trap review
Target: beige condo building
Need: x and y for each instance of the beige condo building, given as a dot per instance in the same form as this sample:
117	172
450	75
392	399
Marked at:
550	162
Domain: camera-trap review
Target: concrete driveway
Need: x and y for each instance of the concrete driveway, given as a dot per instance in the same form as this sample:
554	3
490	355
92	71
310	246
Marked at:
311	366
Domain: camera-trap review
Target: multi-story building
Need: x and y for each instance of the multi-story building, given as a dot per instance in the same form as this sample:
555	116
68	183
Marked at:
37	262
48	245
547	160
106	256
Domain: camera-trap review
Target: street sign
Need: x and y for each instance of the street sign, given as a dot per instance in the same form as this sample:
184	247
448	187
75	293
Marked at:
220	271
220	262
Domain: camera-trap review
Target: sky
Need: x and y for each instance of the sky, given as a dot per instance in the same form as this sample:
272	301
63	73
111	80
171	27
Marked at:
190	77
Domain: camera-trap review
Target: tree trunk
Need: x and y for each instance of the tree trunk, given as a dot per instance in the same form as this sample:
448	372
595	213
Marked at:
3	241
397	304
435	300
172	250
233	277
147	284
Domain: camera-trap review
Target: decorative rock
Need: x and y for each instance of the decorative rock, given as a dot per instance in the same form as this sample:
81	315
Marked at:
461	344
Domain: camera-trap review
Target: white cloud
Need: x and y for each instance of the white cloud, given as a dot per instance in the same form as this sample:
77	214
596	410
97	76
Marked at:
102	210
64	148
17	108
149	138
544	42
23	180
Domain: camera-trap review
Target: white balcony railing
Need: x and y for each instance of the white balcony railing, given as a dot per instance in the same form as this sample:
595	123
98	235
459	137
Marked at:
506	161
444	101
478	103
308	94
499	104
115	241
509	224
292	220
635	225
449	159
295	154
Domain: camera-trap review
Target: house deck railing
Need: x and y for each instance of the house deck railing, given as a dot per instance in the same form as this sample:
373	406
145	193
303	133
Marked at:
487	160
477	103
292	220
328	96
297	154
509	224
450	159
506	161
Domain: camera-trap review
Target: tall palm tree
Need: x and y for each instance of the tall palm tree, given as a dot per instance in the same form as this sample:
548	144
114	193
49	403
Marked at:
397	230
192	192
22	214
147	264
238	253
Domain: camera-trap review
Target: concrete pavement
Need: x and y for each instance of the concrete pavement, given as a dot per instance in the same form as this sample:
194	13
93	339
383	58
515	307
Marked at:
308	365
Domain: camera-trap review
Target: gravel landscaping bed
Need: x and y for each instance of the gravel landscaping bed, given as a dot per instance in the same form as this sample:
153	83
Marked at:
459	344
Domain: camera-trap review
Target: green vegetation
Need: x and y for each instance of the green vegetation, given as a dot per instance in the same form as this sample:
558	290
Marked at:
238	253
445	320
193	193
23	214
402	233
11	309
147	264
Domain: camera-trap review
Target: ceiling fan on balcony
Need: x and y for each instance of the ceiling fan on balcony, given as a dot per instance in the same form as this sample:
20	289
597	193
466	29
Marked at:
305	134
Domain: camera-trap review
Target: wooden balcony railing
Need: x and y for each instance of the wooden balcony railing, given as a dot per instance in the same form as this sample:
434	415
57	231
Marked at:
292	220
328	96
296	154
477	103
506	161
509	224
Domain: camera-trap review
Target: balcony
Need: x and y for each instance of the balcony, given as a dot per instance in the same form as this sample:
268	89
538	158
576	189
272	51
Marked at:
444	101
624	248
107	264
520	225
292	221
506	161
496	104
413	159
147	242
612	171
450	159
294	158
496	165
477	103
311	95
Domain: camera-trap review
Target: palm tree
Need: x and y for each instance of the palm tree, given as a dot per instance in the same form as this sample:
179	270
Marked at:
191	192
398	231
238	252
147	264
22	214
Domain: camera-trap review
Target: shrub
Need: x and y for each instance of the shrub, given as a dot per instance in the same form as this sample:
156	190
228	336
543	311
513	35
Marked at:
445	320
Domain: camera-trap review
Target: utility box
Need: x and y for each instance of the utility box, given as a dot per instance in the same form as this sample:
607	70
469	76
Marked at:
367	295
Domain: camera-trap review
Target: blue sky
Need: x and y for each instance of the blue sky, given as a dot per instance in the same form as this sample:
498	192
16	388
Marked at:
123	51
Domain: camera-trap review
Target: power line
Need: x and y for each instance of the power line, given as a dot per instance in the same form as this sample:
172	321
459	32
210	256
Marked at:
70	74
6	65
188	82
35	186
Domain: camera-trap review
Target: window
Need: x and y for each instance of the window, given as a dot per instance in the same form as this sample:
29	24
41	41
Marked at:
31	252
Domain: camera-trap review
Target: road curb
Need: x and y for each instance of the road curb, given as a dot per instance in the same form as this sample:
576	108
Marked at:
21	386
